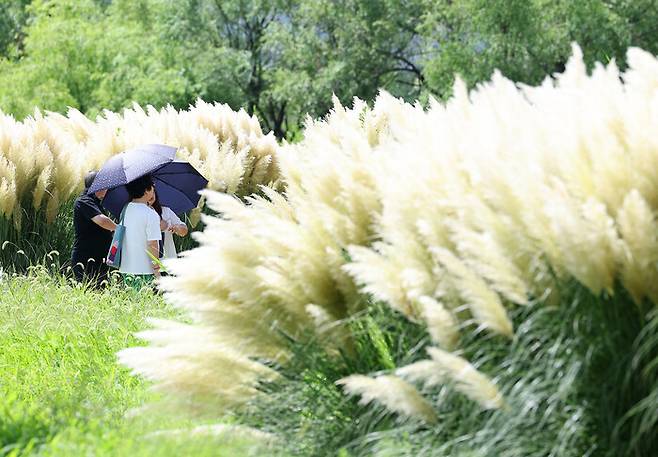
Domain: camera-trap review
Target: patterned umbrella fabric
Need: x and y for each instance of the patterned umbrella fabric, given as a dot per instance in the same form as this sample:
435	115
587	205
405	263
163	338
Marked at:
177	183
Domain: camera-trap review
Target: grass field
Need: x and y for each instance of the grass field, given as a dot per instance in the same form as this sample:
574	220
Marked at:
62	392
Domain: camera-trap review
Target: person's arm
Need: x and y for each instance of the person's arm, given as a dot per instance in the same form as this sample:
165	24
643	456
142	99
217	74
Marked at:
154	249
92	211
176	225
153	237
104	222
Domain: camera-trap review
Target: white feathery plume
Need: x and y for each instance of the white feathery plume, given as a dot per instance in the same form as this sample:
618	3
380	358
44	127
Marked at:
392	392
180	358
446	368
467	379
484	304
486	257
639	232
380	277
442	324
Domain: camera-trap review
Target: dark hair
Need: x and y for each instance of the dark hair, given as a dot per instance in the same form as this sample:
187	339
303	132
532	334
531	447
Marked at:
157	206
138	187
89	179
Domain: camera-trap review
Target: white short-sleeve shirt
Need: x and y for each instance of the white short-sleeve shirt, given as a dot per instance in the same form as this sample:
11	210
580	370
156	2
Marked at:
142	225
169	247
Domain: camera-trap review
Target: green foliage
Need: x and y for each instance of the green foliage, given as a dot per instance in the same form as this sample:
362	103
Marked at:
351	49
311	413
12	21
237	31
578	379
282	59
61	390
37	243
92	58
527	40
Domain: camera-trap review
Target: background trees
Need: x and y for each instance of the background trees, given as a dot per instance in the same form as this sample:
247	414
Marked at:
528	39
281	59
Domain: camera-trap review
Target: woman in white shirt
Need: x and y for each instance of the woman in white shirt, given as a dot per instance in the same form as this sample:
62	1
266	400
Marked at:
170	223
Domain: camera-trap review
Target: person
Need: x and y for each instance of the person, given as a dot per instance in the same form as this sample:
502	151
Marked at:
141	237
170	224
92	236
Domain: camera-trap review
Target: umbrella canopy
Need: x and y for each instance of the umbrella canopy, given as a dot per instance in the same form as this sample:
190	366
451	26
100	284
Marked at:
177	183
130	165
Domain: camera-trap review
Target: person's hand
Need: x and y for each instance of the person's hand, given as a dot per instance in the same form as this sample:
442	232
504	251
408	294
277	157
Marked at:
164	225
179	229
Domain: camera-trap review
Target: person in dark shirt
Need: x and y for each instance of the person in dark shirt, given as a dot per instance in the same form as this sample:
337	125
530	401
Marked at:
93	236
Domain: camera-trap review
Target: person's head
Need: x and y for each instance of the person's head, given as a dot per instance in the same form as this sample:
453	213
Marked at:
141	188
155	203
89	180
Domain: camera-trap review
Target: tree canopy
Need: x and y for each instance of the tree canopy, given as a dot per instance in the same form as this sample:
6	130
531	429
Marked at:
283	59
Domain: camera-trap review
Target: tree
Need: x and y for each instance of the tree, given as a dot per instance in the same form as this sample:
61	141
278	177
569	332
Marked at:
296	53
351	48
93	55
529	39
13	16
237	30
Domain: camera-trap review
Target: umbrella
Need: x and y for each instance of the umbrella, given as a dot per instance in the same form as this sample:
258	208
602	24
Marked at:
177	183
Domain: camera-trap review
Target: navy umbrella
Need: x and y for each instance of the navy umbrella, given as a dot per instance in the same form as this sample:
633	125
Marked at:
177	183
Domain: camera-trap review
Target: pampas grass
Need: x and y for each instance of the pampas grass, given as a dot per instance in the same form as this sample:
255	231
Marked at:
446	367
261	264
44	158
456	217
392	392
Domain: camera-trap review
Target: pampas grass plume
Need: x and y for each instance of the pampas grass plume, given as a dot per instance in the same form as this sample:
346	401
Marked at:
392	392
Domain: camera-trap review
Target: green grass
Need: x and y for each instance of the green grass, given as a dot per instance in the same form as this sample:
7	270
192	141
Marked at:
32	244
579	379
62	392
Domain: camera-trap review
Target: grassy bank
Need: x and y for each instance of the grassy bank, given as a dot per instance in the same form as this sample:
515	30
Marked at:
61	390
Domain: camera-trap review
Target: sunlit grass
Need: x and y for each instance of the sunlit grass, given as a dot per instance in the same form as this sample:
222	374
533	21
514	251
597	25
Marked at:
62	392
